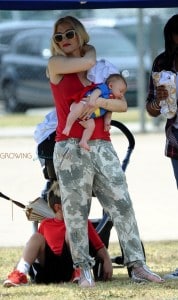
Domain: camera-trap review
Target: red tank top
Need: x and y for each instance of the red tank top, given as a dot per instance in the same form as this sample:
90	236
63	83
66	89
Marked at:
62	94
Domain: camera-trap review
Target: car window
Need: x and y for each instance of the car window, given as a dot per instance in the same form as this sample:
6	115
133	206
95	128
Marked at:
6	37
33	44
5	40
111	43
45	45
27	46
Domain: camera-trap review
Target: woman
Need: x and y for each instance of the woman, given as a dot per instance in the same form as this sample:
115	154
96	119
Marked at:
168	61
80	171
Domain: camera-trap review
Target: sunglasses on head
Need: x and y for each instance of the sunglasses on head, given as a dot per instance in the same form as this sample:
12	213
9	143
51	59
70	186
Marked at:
69	34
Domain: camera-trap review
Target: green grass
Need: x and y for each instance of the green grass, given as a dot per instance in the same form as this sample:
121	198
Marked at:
24	120
132	115
162	257
20	120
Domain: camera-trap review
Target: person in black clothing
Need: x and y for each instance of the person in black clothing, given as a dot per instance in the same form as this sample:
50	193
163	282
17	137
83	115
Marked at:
167	62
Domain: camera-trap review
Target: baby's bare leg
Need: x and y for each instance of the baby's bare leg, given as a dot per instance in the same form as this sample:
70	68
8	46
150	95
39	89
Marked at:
89	126
76	110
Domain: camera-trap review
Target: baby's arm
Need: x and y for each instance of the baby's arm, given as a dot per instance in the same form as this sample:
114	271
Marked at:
94	96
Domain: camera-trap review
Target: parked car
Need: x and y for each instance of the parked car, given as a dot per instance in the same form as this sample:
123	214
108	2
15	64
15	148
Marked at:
24	82
8	31
112	44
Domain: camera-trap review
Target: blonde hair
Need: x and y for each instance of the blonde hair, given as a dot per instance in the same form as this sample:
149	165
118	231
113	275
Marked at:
77	26
54	195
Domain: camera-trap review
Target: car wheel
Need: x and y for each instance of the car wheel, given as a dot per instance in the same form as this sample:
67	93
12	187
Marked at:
10	100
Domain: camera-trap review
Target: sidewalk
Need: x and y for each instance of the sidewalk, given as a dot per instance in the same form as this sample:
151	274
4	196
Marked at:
149	175
28	131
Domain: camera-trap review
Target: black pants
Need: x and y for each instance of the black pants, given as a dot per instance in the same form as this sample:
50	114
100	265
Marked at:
57	268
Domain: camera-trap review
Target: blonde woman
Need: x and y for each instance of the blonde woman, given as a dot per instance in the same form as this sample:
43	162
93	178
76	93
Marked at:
80	171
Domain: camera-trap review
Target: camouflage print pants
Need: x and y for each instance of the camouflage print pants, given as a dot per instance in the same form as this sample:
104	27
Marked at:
79	171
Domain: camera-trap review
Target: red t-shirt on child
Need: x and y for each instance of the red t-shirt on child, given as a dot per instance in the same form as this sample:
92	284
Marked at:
54	231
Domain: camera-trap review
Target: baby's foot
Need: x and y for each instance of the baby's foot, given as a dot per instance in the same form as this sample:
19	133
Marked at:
84	145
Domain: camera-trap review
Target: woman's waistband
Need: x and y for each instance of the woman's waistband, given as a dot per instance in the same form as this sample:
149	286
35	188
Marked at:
90	142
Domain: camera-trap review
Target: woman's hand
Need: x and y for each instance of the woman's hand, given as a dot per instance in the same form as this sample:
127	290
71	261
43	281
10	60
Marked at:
90	105
89	108
87	112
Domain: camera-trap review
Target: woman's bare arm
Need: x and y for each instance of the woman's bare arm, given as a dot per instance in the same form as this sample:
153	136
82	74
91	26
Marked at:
114	105
59	65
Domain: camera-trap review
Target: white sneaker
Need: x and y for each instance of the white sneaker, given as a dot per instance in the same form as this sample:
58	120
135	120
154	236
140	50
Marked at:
173	275
144	274
86	278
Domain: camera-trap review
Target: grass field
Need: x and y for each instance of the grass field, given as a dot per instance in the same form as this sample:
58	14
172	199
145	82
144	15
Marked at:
162	257
21	120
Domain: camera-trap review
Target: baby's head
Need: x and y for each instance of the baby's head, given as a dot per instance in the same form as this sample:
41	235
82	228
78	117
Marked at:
117	84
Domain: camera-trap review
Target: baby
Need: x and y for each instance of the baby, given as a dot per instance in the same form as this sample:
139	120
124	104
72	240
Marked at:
114	88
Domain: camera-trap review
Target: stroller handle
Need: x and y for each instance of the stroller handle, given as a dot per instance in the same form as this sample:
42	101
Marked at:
130	138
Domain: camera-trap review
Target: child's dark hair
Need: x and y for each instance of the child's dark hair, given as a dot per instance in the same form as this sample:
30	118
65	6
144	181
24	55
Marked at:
53	195
116	76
